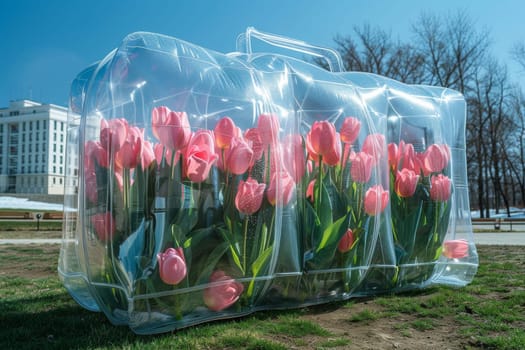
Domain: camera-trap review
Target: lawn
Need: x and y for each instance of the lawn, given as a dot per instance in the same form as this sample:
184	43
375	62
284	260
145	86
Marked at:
37	313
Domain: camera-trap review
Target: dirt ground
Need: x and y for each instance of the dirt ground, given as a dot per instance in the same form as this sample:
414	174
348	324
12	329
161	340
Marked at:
382	333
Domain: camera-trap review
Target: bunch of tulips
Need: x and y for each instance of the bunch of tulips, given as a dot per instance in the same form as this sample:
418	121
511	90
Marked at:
199	207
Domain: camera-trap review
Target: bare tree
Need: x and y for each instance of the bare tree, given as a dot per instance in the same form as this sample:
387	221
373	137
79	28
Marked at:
452	47
518	53
373	50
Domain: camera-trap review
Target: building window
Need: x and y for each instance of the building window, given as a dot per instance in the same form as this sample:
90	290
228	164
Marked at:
43	147
61	160
61	126
61	138
54	136
36	158
54	147
30	137
30	147
30	126
61	148
55	124
38	124
23	169
54	169
23	148
36	147
24	126
44	124
44	136
61	170
23	137
14	113
43	158
54	158
43	168
37	136
23	158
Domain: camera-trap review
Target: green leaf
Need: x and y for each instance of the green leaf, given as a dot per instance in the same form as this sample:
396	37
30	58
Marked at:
333	233
228	237
326	211
211	262
257	266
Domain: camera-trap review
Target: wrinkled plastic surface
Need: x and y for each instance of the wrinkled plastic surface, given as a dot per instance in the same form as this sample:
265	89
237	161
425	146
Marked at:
203	185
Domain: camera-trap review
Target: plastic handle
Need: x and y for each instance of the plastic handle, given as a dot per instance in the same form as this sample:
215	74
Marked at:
332	57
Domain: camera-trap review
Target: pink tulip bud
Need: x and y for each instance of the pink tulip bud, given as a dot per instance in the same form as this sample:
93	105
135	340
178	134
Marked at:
170	127
104	225
361	168
374	145
148	155
129	153
455	249
393	155
406	183
238	157
222	292
113	133
249	196
281	189
323	141
172	265
268	127
376	200
224	131
310	191
346	242
350	130
254	137
435	159
440	188
199	156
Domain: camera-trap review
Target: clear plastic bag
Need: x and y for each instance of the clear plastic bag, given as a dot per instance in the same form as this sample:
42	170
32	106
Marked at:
203	185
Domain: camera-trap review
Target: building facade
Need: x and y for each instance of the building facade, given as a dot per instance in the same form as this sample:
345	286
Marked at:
32	148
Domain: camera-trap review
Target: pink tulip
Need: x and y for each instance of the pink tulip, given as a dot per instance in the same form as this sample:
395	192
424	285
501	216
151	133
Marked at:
435	159
224	131
408	159
113	133
281	189
171	128
361	168
158	150
199	156
376	200
346	242
252	135
406	183
323	141
294	159
374	145
222	292
393	156
172	266
104	225
249	196
350	130
91	190
455	249
129	154
310	191
93	150
268	127
238	157
440	188
148	155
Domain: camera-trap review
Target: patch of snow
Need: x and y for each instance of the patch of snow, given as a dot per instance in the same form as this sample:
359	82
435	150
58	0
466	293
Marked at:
24	203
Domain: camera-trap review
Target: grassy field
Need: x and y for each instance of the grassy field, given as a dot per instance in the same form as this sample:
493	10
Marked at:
37	313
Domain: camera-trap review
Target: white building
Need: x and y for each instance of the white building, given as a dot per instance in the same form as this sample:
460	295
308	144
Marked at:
32	148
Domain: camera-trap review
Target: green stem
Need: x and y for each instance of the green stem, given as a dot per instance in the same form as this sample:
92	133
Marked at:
320	185
245	238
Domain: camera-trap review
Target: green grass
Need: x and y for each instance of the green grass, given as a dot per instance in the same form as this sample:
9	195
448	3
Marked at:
29	225
37	313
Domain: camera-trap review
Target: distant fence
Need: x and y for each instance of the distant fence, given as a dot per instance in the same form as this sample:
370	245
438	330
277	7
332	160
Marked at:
27	215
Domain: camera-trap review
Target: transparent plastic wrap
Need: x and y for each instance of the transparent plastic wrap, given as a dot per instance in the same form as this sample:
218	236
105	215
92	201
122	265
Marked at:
203	185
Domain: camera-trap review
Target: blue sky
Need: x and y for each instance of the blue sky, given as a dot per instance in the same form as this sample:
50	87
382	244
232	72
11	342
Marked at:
44	44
